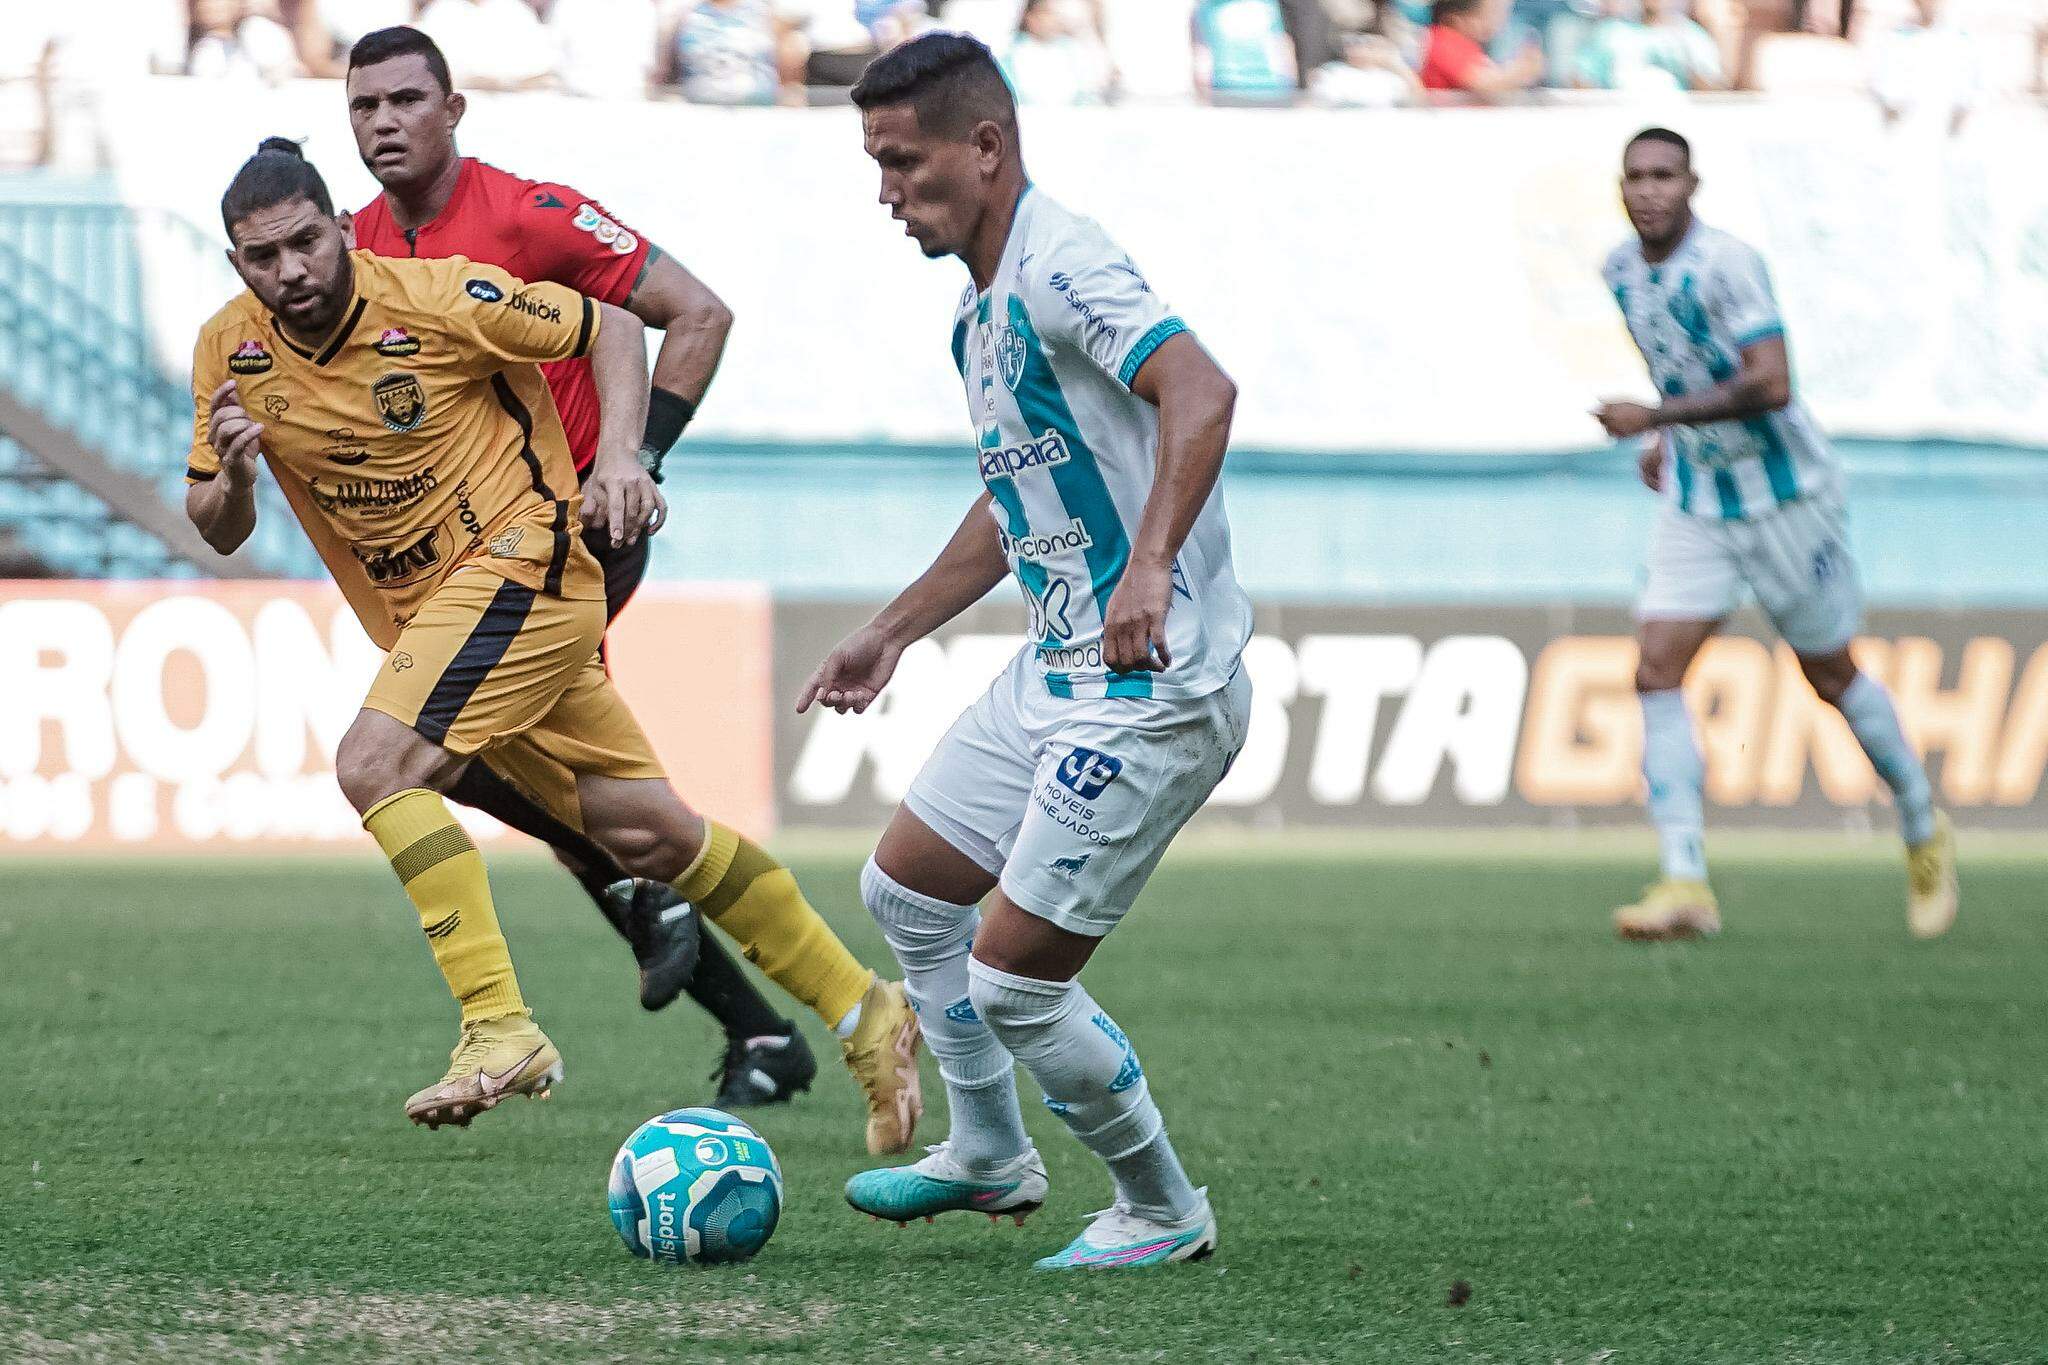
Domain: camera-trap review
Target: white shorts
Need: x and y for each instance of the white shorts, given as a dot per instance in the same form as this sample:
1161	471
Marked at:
1071	803
1795	559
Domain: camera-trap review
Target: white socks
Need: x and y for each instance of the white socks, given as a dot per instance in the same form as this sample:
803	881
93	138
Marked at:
1868	709
1091	1079
1677	777
931	939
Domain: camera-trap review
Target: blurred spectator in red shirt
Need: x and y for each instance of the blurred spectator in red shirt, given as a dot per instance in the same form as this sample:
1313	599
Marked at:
1454	53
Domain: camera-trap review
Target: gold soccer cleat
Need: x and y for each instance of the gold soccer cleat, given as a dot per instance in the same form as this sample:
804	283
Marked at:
1670	909
882	1055
494	1058
1932	893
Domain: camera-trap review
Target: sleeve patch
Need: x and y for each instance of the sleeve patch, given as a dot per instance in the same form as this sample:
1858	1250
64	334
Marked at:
1147	344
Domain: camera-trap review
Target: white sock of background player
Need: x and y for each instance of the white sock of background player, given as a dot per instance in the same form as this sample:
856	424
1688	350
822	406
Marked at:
1868	709
1677	778
931	939
1091	1079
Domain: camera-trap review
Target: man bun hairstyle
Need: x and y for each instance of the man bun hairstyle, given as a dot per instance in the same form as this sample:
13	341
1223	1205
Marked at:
401	40
950	79
278	172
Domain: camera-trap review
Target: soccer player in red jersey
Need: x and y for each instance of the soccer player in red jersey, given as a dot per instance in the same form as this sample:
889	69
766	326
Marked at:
435	202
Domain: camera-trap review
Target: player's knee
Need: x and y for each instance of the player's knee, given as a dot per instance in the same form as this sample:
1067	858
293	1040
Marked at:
642	852
907	914
1016	1015
1655	674
367	771
1829	675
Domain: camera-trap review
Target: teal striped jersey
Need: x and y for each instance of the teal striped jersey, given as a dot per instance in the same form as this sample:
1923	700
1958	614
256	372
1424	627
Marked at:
1048	354
1692	315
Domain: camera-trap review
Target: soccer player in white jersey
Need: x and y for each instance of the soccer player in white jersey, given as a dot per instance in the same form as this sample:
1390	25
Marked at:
1752	496
1101	427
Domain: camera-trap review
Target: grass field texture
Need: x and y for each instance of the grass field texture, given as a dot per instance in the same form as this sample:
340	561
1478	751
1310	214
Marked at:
1401	1073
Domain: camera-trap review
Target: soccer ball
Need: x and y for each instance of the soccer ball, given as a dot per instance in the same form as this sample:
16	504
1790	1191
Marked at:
695	1185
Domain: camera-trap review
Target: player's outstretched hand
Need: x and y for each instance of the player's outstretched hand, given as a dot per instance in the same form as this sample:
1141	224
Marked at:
853	674
1623	420
236	437
1134	630
621	499
1650	465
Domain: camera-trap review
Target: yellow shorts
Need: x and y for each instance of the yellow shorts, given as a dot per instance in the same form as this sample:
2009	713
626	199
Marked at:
493	669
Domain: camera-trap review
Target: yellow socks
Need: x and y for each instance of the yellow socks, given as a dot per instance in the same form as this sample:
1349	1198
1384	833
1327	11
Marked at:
738	885
444	874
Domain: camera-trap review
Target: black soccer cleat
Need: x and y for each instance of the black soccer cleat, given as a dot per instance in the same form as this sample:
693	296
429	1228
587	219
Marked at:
665	935
766	1070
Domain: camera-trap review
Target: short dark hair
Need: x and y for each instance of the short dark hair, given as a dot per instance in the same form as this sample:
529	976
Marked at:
1444	9
401	40
950	79
1666	136
279	171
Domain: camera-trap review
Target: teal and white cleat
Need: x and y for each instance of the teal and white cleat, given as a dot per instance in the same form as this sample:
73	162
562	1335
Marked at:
940	1184
1119	1238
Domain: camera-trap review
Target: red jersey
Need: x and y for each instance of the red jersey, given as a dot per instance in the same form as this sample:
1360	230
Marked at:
1451	60
536	230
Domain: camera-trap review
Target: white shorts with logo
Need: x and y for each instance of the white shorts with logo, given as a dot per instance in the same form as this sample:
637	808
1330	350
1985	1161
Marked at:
1072	803
1795	559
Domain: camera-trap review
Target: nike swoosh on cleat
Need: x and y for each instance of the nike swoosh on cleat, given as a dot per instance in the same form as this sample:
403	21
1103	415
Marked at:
1125	1255
495	1085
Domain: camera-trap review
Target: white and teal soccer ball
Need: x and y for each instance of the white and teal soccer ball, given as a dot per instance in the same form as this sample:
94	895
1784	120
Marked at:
695	1185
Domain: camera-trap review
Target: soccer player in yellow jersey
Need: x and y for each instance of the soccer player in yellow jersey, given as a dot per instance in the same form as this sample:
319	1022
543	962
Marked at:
400	407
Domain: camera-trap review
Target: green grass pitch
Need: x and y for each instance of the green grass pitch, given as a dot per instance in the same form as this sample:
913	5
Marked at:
1399	1070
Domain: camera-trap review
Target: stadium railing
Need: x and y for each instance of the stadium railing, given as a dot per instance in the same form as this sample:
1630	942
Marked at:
94	430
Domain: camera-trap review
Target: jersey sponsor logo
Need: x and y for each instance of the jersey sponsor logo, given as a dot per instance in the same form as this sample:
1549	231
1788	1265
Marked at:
396	342
622	242
545	199
1095	324
372	499
249	358
1071	867
401	401
1007	461
505	544
1010	357
1049	613
1047	544
1087	773
483	291
346	450
535	308
400	560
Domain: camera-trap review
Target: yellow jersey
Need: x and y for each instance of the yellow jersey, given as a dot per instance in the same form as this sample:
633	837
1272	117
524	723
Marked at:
420	436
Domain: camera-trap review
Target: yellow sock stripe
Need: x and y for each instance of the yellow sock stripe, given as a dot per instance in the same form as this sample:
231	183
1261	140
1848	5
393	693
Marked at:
450	841
704	875
744	866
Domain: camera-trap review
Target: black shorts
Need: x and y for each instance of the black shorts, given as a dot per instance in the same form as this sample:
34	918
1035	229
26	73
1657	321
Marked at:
624	567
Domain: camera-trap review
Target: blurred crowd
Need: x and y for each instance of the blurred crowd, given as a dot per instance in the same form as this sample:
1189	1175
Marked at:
1936	59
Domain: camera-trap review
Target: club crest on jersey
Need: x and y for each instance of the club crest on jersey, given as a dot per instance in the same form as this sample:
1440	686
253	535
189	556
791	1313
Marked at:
401	402
396	342
1010	357
249	358
483	291
1087	773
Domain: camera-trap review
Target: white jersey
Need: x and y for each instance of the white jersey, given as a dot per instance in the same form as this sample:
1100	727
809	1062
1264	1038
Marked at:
1047	354
1691	315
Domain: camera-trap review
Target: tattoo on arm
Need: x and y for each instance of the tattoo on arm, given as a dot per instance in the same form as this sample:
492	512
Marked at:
653	255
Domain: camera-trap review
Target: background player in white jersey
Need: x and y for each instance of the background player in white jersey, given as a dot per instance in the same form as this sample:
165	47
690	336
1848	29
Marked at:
1102	426
1752	496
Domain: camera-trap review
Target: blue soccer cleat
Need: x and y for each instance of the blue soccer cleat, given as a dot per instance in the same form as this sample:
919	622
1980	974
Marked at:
941	1184
1119	1238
